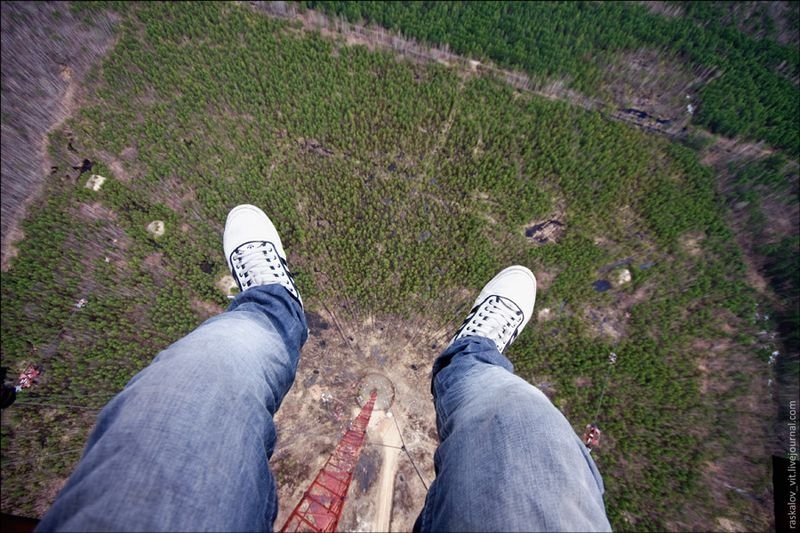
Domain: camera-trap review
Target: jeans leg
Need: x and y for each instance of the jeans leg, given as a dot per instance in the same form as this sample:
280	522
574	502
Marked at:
508	460
185	446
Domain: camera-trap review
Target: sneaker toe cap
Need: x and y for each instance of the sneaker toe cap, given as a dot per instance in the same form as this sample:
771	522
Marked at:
247	223
516	283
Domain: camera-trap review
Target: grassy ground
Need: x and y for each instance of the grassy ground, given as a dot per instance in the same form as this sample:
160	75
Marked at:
399	189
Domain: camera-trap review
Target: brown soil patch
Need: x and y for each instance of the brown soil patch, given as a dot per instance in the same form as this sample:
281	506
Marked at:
709	352
123	168
749	19
96	211
544	279
692	243
667	9
46	498
108	241
175	194
204	309
544	231
155	264
784	215
755	279
725	524
13	234
130	153
647	82
639	295
313	146
724	151
735	383
118	168
609	322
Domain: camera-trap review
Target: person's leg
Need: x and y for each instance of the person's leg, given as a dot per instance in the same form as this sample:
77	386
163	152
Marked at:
508	460
185	446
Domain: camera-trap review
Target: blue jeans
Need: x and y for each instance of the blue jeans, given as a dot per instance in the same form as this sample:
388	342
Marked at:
185	446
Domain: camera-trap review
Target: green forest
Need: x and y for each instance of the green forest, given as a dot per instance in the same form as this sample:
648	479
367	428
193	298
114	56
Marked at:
398	184
754	93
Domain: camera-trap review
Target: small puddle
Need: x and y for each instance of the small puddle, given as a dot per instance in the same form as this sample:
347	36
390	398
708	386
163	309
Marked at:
601	285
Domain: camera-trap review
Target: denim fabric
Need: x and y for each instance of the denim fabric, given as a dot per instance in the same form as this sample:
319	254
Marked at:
508	460
185	446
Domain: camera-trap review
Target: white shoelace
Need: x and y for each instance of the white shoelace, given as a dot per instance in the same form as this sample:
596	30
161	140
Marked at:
258	263
496	318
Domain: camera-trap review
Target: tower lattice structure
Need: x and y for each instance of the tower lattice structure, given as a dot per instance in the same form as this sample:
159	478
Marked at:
320	508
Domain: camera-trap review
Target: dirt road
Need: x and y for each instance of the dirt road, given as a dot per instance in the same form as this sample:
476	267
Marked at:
386	434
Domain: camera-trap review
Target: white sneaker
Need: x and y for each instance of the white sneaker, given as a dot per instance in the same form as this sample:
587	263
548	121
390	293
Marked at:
254	251
503	307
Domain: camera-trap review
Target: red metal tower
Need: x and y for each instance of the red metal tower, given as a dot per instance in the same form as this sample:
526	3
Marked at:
321	505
